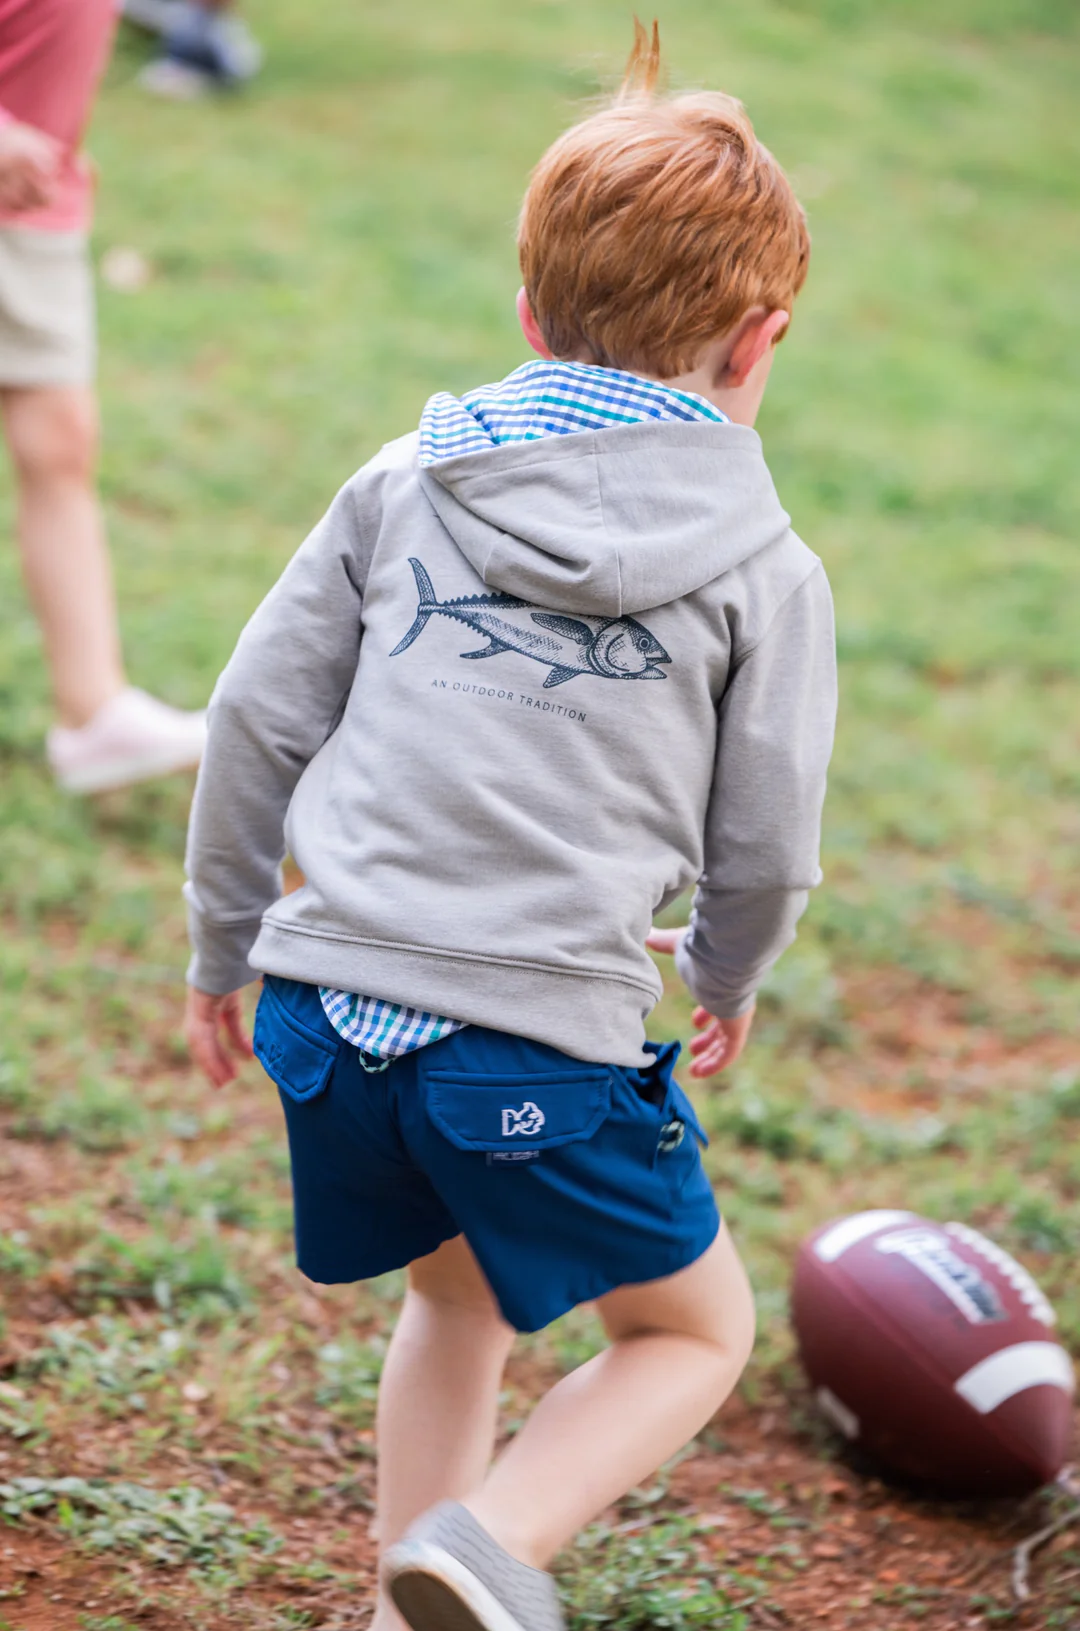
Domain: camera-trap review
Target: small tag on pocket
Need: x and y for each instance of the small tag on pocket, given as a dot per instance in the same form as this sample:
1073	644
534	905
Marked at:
511	1157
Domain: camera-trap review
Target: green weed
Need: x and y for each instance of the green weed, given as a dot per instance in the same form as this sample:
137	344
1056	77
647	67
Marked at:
348	1384
170	1527
100	1115
162	1270
229	1189
15	1080
766	1506
22	1419
655	1578
1064	1096
109	1361
1042	1225
17	1256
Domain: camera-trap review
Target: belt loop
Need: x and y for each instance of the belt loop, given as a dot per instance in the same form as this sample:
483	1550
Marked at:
377	1065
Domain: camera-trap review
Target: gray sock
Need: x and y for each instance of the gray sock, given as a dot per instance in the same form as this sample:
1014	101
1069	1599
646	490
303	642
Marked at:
447	1574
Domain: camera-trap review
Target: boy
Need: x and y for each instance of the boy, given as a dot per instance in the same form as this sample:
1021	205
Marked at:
108	734
537	671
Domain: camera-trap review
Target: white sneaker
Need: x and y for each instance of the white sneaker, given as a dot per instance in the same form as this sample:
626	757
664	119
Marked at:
173	80
131	739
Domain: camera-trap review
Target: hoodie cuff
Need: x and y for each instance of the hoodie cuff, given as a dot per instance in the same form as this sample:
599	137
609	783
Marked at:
735	937
724	999
219	962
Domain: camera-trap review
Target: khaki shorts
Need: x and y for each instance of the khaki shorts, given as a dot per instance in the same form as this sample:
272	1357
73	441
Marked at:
47	330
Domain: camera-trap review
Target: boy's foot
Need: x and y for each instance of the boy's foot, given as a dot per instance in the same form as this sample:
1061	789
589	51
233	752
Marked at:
131	739
447	1574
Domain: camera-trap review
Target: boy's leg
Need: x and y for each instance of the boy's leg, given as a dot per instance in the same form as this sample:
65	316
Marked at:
678	1346
52	434
438	1398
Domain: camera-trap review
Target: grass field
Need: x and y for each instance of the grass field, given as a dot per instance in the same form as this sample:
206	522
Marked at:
325	251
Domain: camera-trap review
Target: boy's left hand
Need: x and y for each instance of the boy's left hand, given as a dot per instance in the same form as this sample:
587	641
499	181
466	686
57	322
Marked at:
214	1031
719	1041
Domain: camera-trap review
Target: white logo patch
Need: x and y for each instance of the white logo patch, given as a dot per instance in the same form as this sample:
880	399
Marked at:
929	1251
527	1121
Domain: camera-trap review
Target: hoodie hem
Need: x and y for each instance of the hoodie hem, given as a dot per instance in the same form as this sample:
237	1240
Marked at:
455	955
594	1017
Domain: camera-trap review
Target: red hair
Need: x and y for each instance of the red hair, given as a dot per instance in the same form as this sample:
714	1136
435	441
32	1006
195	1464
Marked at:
651	227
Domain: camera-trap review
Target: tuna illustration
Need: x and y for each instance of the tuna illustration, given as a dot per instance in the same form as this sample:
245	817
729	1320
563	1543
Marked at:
613	648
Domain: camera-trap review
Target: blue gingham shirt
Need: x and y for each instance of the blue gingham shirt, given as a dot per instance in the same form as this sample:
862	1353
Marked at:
538	399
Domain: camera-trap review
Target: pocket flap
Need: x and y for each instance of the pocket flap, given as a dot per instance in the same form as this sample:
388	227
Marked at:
518	1112
683	1107
296	1058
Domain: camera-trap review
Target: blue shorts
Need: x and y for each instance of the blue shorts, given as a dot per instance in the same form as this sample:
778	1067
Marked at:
566	1179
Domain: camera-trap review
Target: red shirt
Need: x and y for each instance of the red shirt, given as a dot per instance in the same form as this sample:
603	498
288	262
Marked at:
52	54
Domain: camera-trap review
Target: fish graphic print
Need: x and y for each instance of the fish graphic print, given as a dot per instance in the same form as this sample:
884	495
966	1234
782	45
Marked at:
611	648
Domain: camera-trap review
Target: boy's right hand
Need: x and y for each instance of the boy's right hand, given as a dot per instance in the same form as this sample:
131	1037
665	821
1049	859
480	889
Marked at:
719	1041
214	1031
30	162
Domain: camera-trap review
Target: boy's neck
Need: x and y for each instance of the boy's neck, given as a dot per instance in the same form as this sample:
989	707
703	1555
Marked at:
739	403
733	371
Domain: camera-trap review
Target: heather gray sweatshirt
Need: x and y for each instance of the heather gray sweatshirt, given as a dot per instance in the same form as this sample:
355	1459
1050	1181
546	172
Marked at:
501	711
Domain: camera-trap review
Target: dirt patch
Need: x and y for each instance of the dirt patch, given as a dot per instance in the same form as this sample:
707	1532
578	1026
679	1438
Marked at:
838	1548
915	1044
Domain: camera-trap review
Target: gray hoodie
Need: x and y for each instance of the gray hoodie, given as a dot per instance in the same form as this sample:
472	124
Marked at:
503	709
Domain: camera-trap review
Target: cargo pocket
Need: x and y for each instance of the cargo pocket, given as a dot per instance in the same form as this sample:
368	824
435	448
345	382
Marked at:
296	1058
518	1112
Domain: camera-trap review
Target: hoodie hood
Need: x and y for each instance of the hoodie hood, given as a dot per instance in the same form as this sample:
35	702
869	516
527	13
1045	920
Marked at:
570	521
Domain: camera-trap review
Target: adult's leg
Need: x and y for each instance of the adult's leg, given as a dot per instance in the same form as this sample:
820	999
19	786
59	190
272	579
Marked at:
438	1398
678	1346
52	434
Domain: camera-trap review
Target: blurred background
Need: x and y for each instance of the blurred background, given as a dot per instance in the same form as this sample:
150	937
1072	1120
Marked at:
286	272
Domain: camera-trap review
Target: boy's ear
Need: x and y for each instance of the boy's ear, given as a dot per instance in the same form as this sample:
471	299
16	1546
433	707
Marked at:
756	332
530	327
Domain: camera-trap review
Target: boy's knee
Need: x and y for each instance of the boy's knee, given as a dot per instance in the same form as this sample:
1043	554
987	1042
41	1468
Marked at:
730	1343
735	1330
52	433
729	1339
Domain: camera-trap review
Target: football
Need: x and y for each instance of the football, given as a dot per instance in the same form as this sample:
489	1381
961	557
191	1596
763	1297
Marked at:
931	1348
